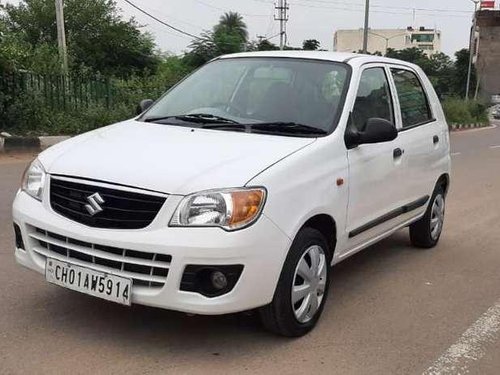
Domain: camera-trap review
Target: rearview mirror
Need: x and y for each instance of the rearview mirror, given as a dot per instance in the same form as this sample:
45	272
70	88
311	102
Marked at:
143	105
377	130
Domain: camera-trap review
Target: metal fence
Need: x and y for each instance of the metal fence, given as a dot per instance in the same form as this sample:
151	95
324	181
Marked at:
58	92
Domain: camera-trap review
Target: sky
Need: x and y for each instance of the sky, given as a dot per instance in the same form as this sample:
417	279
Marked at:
309	19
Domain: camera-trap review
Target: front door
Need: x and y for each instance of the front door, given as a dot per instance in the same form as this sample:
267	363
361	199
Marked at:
375	189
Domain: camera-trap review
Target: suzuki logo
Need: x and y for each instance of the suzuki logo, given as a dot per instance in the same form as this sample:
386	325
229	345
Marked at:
94	207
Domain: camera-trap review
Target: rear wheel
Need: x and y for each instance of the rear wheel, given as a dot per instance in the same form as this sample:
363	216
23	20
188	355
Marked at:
302	288
426	232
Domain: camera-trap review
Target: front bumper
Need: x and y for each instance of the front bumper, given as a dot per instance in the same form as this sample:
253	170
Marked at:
260	248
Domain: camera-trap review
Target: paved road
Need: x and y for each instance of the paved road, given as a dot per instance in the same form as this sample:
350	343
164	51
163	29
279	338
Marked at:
392	309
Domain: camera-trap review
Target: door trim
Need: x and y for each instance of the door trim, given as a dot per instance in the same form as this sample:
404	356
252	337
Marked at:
389	216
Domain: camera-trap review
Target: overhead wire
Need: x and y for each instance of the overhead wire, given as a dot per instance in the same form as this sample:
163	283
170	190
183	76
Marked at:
161	21
389	6
360	10
184	33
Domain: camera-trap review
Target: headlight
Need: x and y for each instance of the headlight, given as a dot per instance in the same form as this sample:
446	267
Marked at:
34	180
230	209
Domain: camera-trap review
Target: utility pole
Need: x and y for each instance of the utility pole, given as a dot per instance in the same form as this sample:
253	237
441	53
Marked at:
61	36
365	33
471	49
282	7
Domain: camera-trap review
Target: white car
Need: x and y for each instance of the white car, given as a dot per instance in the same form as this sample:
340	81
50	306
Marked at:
241	186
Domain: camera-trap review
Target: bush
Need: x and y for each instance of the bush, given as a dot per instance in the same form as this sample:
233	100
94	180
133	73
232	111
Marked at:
30	110
29	115
459	111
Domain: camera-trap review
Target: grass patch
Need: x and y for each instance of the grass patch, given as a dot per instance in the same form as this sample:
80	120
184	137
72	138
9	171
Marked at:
459	111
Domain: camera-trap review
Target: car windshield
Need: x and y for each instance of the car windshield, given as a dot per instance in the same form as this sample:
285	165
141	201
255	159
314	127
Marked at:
284	93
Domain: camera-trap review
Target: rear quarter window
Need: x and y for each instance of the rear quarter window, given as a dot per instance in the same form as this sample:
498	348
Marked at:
415	108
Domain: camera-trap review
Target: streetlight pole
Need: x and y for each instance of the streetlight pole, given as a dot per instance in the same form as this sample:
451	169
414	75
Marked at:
471	50
365	33
387	39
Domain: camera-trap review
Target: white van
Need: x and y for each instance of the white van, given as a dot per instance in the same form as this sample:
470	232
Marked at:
239	187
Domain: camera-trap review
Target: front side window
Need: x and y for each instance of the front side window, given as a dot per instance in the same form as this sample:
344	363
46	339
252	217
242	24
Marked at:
413	101
261	91
373	99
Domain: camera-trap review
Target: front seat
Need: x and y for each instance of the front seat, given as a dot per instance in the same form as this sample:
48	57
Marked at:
280	103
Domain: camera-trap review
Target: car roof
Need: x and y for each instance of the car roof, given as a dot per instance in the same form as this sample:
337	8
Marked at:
354	59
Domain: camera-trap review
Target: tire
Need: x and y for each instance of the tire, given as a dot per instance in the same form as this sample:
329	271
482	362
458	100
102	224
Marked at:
295	320
424	233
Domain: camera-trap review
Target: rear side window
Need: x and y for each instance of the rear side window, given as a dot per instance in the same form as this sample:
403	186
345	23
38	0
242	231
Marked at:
415	109
373	99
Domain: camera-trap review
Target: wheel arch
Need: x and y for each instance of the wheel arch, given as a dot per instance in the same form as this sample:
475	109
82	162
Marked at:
326	225
444	181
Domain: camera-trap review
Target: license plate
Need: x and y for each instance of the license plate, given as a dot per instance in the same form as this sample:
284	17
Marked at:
95	283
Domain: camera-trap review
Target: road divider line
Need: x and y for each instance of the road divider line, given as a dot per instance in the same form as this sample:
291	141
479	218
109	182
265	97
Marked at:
456	153
470	347
498	146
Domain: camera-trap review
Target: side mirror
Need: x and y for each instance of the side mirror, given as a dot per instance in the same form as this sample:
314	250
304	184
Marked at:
143	105
377	130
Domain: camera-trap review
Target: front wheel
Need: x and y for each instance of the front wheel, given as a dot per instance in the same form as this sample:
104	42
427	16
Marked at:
426	232
302	288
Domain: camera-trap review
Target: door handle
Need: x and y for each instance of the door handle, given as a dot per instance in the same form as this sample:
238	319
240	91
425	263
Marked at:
435	139
397	153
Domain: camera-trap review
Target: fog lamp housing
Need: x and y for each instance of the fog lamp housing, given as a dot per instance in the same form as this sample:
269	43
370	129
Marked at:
210	280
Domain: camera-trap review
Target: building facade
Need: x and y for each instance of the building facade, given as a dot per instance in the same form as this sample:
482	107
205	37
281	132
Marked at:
380	40
487	47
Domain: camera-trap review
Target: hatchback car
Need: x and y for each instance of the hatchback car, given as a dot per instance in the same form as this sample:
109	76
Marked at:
241	186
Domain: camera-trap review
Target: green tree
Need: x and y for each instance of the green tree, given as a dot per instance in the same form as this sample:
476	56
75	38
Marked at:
376	53
311	45
413	55
228	36
97	36
232	23
439	68
441	73
266	45
461	67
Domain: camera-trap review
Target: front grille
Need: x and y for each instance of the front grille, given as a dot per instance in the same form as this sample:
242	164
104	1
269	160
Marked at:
120	210
145	269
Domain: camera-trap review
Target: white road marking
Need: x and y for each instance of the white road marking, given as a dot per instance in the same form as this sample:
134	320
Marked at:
469	348
456	153
495	146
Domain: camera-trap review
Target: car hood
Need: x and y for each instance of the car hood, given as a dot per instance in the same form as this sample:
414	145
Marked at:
170	159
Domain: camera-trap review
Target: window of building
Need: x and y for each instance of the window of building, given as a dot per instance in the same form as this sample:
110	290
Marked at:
422	38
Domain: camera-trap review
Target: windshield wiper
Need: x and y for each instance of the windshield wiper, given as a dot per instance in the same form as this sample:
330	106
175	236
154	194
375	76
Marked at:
227	126
199	118
269	127
288	127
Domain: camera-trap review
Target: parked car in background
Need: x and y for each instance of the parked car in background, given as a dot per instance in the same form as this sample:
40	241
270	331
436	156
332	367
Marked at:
241	186
496	113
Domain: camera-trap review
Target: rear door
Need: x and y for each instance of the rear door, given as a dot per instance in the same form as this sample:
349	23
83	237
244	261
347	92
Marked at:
375	187
421	137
